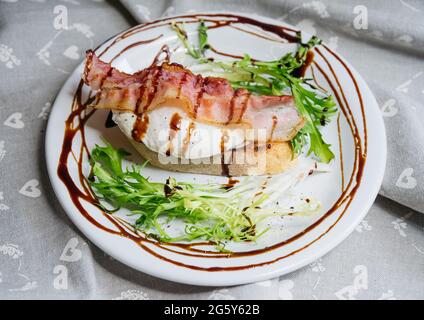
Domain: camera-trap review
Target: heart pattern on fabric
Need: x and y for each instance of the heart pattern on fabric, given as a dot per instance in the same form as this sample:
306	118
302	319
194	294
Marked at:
389	109
14	121
72	53
406	180
71	253
360	283
30	189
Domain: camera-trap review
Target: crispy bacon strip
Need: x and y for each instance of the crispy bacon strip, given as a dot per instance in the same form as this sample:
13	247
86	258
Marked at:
210	99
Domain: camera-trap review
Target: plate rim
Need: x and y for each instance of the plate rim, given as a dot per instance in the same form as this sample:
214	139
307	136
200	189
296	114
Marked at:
337	238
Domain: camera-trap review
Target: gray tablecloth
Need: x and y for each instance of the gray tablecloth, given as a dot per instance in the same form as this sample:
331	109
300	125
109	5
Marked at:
43	255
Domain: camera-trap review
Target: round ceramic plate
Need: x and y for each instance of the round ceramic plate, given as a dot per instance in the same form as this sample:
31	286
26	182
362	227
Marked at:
346	192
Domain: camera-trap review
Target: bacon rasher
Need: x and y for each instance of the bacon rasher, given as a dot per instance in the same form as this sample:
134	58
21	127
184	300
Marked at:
210	100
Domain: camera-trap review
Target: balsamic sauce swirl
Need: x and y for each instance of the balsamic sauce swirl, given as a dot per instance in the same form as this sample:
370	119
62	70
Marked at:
80	114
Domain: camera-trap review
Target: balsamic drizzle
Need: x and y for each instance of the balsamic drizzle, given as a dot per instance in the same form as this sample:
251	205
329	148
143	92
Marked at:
79	115
225	168
140	127
174	127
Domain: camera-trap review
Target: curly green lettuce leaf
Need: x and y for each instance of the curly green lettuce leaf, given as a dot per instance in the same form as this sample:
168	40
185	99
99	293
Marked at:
210	212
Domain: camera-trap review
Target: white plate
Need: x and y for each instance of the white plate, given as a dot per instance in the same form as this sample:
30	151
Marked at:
323	231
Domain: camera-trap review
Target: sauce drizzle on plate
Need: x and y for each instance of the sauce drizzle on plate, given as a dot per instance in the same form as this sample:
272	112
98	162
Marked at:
80	114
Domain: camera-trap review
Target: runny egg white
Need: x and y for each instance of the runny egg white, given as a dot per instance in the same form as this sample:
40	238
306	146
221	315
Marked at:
192	140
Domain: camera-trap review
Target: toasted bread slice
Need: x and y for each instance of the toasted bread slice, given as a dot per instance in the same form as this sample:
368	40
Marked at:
268	159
